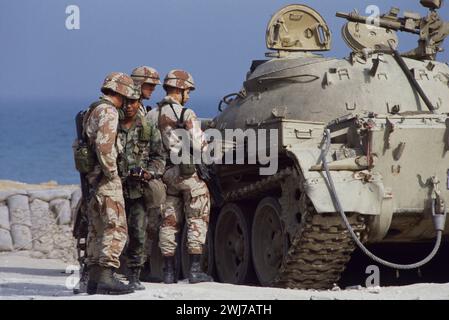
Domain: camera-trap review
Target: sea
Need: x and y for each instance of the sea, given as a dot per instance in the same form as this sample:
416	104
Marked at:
36	138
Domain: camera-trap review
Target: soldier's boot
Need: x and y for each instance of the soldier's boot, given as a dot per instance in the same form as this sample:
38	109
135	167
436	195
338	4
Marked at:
169	270
134	279
92	282
108	283
196	275
147	276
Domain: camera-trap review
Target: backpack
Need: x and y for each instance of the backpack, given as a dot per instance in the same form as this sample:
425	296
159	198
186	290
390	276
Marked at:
84	156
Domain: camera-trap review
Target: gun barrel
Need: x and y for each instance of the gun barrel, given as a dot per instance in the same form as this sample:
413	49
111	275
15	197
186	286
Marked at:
396	25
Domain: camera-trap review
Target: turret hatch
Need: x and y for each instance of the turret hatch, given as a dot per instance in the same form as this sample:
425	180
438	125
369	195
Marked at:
298	28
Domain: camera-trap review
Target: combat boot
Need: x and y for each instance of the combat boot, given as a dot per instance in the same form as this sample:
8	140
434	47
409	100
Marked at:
92	282
169	270
146	274
134	279
196	275
108	283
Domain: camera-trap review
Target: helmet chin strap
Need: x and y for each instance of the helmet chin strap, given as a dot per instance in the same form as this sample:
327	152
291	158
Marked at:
182	97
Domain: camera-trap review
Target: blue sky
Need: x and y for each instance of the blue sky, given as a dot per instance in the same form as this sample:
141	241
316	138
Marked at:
214	40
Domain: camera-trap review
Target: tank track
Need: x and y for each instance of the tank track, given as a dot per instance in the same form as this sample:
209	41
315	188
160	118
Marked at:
253	190
320	248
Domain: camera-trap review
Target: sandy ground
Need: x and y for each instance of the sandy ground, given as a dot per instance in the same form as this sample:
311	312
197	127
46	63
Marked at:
14	185
22	277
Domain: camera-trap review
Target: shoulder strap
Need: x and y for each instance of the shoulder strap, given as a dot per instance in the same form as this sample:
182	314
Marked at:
179	120
182	115
89	111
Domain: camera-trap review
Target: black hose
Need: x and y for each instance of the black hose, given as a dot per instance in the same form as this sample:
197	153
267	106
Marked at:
397	56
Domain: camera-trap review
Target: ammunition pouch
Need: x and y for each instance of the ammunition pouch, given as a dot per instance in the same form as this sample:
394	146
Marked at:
154	193
85	158
187	170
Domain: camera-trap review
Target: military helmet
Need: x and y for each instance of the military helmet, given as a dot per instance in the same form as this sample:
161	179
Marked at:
120	83
136	93
145	74
179	79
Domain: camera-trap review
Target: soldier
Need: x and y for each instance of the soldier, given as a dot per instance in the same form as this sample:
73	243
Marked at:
141	165
106	213
184	187
147	78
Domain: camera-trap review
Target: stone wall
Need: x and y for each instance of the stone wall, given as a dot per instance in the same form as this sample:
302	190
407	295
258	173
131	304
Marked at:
39	221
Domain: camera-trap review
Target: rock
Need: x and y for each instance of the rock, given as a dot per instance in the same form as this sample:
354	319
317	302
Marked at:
55	254
43	226
19	210
359	287
49	195
37	255
374	290
5	240
336	288
75	199
4	195
4	218
61	210
5	227
321	298
21	236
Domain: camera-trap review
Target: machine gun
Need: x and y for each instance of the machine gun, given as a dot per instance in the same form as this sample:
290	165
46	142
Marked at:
432	29
209	176
80	227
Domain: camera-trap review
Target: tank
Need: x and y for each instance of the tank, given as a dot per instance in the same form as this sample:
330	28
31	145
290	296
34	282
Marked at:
386	116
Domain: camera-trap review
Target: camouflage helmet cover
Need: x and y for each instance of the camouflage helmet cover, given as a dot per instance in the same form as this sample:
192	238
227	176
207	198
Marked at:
120	83
145	74
136	93
179	79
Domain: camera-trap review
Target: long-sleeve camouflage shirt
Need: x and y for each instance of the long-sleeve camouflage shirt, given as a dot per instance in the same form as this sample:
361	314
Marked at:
101	130
141	146
165	119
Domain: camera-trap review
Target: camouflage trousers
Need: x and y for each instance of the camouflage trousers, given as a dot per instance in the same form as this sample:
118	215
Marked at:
186	198
155	197
107	231
143	216
137	225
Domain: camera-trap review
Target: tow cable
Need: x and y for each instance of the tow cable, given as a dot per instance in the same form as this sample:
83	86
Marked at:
439	219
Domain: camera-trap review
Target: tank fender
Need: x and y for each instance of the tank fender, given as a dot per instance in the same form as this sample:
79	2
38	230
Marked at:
355	193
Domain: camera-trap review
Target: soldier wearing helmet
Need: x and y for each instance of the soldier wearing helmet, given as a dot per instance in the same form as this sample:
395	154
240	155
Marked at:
147	79
107	233
141	165
187	195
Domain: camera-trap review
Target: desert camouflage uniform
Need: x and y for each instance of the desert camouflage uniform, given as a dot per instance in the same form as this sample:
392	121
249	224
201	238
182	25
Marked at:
107	221
190	194
141	147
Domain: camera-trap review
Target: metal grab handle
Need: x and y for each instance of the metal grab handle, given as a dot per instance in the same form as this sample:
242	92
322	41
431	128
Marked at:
225	99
